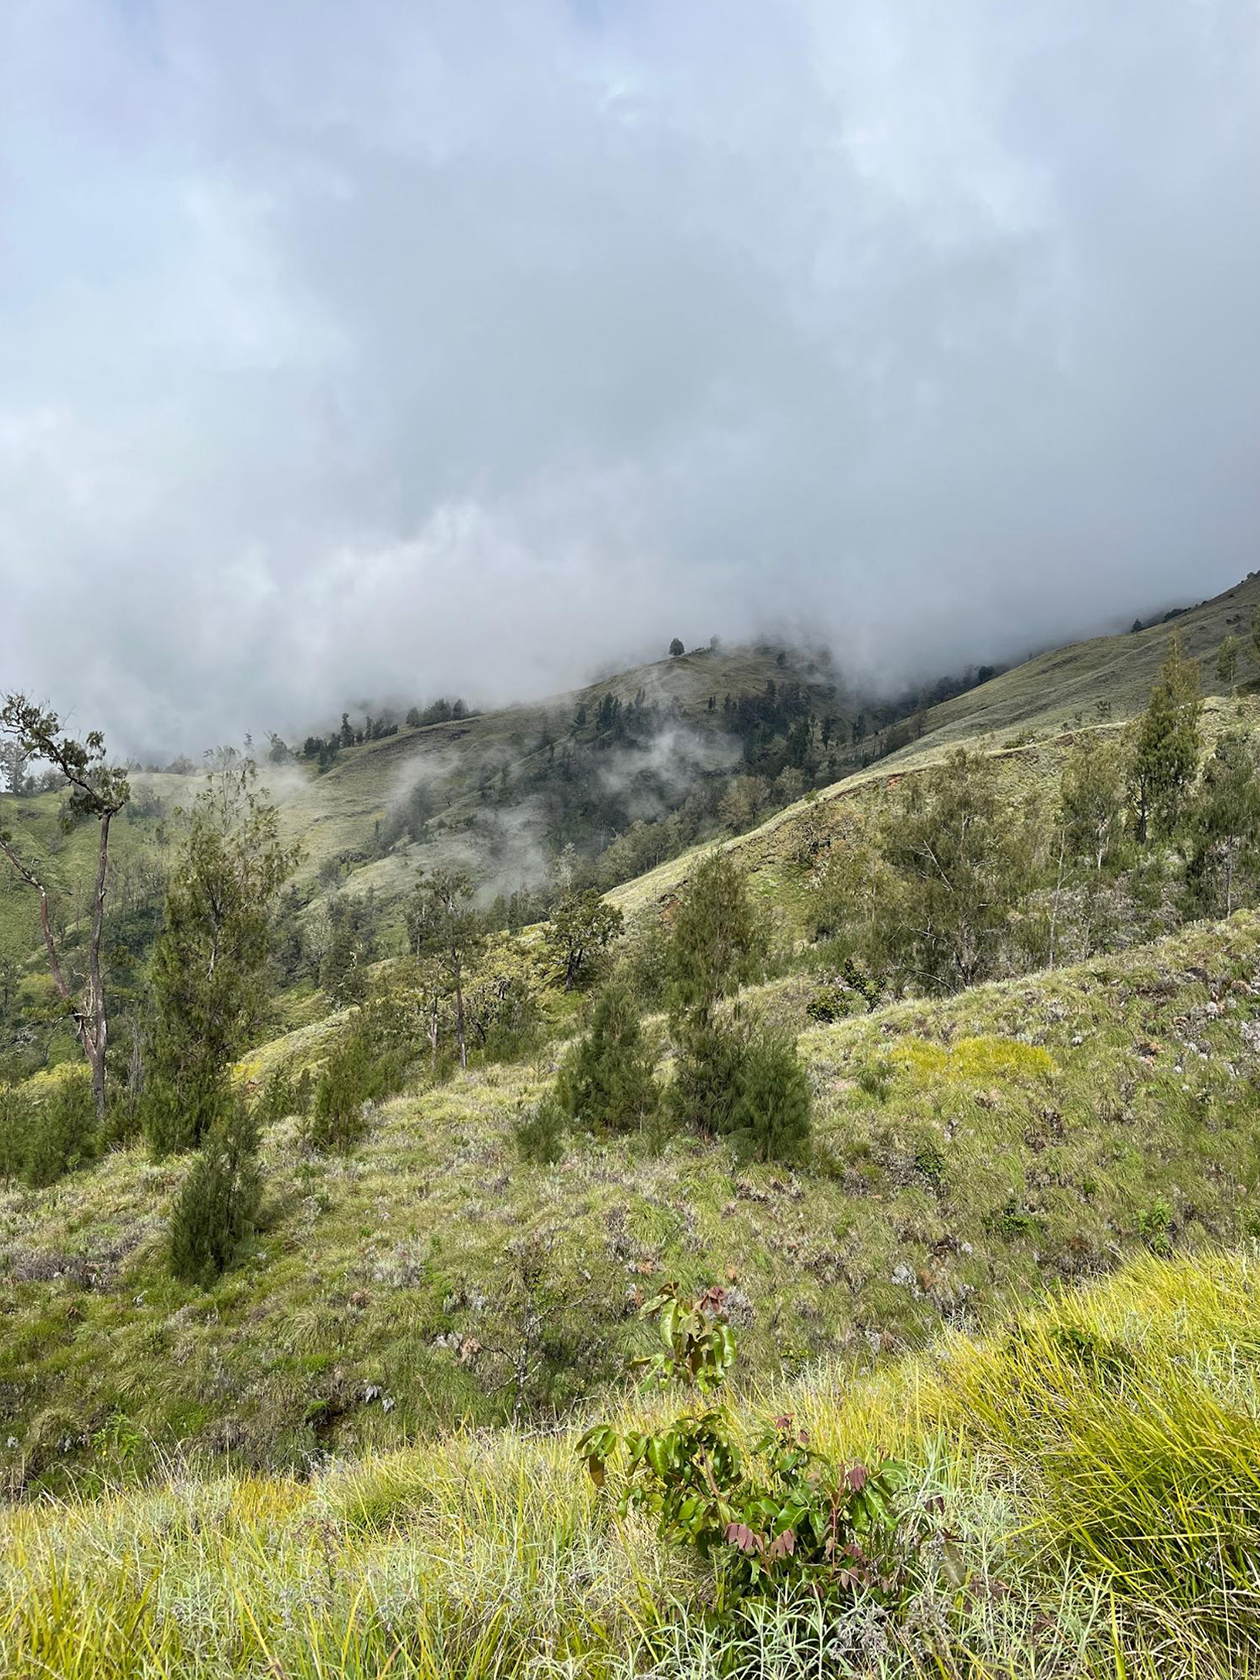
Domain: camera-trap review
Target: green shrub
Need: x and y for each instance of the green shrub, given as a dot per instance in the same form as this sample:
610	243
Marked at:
832	1003
749	1088
540	1131
772	1517
607	1079
217	1208
367	1063
43	1137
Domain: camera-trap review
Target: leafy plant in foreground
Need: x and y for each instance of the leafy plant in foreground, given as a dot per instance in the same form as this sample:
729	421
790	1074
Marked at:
774	1516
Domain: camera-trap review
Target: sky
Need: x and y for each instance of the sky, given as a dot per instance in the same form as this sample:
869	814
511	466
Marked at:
379	350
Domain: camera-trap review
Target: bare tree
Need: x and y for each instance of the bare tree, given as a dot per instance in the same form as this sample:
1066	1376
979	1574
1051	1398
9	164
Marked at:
95	790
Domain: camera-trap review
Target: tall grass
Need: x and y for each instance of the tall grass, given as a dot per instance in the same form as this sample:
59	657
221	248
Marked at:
1098	1463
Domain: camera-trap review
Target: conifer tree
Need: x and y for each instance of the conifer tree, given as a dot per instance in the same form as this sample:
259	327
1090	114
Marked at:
217	1206
770	1118
717	941
210	975
1164	746
1223	826
607	1079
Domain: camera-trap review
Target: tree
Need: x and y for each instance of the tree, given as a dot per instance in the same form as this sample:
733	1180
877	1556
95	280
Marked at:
1223	825
747	1087
1091	799
13	762
957	866
217	1207
1164	746
95	790
1227	661
607	1078
676	648
770	1118
443	925
1255	633
717	941
210	964
582	925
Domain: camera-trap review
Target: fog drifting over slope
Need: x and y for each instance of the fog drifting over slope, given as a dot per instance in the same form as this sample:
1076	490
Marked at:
467	344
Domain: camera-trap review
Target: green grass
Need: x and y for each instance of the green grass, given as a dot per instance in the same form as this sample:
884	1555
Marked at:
968	1152
1094	1461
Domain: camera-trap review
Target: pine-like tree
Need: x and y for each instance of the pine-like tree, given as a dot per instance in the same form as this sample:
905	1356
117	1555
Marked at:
217	1207
1222	838
718	942
607	1078
1164	744
771	1116
210	975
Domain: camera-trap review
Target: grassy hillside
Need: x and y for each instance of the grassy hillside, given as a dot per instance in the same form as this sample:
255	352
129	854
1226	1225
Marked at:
1064	688
1084	1479
336	813
1030	764
966	1152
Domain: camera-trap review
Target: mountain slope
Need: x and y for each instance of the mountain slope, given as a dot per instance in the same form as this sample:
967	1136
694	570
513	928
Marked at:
966	1151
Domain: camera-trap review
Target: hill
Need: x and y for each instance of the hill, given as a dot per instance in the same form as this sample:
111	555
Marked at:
967	1151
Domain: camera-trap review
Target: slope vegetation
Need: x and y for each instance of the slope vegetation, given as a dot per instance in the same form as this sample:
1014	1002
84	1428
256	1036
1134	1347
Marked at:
966	1151
1085	1477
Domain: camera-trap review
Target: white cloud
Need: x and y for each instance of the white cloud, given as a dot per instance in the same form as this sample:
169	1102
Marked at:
398	348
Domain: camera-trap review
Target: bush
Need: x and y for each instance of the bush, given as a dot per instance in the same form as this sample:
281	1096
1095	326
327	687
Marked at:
748	1088
540	1132
217	1208
772	1517
41	1138
368	1062
607	1079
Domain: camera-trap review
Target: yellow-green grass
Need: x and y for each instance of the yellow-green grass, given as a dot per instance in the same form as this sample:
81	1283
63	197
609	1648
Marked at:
1095	1462
967	1152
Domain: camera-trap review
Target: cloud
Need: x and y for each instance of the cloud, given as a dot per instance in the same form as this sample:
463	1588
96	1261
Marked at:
397	348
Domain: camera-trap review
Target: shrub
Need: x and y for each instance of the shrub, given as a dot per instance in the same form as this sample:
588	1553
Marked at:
43	1137
218	1205
607	1079
832	1003
773	1517
540	1132
367	1063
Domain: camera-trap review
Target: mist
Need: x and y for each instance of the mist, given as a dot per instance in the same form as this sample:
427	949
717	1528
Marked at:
405	349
